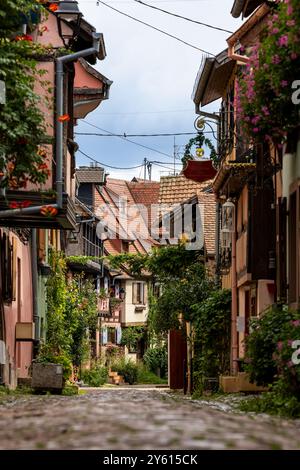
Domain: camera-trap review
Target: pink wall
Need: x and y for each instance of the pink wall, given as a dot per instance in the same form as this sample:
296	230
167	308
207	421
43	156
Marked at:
24	300
83	79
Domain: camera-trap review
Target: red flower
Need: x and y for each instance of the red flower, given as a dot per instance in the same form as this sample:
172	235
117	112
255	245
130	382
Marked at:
24	37
53	7
43	166
48	211
14	205
25	204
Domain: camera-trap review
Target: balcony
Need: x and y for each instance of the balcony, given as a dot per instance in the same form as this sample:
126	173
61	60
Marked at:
65	219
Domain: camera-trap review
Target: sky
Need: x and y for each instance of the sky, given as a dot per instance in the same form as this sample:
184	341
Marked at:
153	78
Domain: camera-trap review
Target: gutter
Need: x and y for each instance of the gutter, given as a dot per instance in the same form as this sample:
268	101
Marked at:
232	40
34	271
59	84
237	8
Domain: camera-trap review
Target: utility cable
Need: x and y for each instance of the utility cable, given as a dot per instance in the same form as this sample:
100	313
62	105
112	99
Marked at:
126	168
183	17
109	166
138	135
100	2
128	140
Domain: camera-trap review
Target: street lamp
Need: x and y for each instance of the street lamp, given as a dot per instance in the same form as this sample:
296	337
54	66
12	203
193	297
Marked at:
68	20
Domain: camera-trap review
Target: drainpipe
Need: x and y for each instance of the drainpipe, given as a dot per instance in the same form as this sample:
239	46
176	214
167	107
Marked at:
234	342
34	271
59	83
217	245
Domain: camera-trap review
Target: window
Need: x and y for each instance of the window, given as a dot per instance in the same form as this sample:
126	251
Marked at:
111	335
138	293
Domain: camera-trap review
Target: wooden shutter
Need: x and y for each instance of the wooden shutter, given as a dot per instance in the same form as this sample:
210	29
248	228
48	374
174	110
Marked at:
14	268
145	293
281	230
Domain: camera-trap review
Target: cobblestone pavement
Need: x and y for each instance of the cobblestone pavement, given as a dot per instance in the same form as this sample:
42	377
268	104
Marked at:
136	419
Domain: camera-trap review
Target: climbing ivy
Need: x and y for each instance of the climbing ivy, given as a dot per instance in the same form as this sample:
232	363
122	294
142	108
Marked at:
71	315
131	335
23	130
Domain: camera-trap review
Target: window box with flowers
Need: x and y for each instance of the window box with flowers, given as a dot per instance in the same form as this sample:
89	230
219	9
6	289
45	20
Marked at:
265	104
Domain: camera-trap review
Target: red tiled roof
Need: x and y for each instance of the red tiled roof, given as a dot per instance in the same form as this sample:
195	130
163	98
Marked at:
178	189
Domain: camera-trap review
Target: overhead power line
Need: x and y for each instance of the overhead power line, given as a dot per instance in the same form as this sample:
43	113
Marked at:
106	165
128	140
183	17
100	2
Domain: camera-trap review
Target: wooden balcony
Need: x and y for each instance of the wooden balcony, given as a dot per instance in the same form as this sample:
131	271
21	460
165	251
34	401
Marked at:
65	219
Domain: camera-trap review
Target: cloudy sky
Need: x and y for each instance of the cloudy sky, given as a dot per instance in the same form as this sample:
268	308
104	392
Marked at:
153	78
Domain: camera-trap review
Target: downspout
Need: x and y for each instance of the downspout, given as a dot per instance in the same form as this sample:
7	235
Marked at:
217	245
34	273
234	307
59	83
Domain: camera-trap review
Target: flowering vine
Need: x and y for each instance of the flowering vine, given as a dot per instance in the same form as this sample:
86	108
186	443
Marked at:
23	130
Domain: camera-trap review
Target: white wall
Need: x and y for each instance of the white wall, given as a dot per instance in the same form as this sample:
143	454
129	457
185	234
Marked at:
131	316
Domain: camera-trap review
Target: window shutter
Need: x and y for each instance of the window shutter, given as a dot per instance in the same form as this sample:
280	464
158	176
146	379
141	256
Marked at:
118	335
145	293
282	249
14	268
104	335
134	292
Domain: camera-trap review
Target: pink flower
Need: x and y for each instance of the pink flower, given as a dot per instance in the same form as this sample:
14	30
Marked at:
275	30
294	55
290	364
295	322
290	342
290	10
284	83
256	130
283	41
265	111
279	345
255	120
291	23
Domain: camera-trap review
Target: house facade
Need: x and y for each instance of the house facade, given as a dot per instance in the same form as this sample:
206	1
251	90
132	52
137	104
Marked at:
256	187
36	218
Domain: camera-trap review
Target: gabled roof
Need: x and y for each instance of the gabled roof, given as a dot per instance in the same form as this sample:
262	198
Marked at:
212	79
177	189
245	7
90	175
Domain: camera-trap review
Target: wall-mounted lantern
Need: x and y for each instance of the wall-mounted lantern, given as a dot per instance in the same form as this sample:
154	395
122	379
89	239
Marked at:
228	223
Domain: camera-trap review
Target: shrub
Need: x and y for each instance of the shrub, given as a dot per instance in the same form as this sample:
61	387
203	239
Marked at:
268	346
96	376
211	321
127	368
156	360
146	376
278	401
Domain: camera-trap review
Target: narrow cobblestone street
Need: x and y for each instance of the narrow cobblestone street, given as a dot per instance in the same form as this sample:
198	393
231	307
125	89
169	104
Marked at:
136	419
